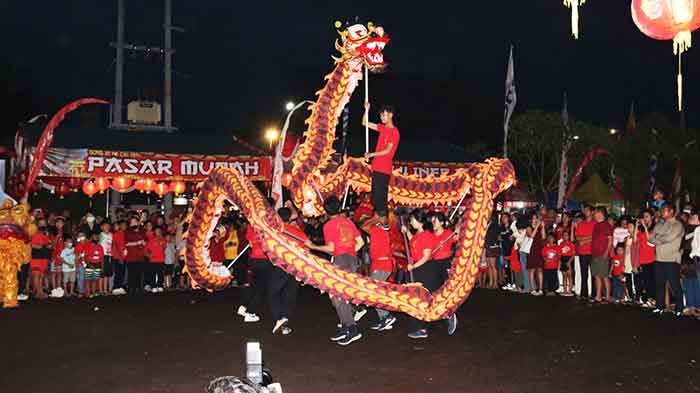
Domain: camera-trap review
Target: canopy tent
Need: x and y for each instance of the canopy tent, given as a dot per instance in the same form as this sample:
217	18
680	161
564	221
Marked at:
595	192
518	197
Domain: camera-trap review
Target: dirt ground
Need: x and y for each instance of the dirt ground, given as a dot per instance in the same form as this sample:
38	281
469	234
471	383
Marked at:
178	342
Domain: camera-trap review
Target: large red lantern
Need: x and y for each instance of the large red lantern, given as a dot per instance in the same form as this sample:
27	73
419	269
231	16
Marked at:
74	183
161	189
62	190
121	184
89	188
178	187
669	20
102	184
149	185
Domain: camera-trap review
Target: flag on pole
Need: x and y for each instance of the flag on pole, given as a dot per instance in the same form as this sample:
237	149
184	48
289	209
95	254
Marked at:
677	184
653	165
511	99
565	145
631	121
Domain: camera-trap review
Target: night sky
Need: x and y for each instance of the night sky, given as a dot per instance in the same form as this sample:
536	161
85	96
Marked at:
239	62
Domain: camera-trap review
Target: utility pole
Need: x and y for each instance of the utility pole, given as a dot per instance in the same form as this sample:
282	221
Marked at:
116	120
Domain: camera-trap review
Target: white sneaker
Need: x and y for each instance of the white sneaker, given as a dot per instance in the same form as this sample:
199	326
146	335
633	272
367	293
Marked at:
147	288
160	289
242	310
359	314
286	330
279	324
22	297
249	317
122	291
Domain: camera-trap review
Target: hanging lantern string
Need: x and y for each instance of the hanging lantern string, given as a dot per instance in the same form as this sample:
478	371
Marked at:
574	4
681	43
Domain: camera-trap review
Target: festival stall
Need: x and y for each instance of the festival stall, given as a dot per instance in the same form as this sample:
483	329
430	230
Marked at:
595	192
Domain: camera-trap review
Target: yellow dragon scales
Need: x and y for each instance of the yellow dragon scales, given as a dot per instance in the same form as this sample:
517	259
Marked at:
310	180
15	231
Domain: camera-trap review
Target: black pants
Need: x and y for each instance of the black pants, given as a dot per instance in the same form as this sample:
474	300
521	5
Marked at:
380	191
155	274
668	272
119	270
648	278
551	280
281	293
254	293
135	273
584	262
429	274
22	277
239	269
444	265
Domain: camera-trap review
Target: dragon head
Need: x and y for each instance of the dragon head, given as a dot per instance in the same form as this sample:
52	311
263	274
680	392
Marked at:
15	221
362	43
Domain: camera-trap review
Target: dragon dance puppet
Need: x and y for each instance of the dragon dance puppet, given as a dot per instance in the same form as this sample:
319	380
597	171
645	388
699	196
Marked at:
311	181
16	229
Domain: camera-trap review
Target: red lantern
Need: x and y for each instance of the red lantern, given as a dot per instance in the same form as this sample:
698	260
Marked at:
121	184
149	185
161	189
138	184
666	20
74	183
36	187
178	187
62	190
102	184
89	188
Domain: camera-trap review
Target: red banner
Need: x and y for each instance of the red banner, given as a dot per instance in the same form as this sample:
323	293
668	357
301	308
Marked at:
188	167
47	137
579	171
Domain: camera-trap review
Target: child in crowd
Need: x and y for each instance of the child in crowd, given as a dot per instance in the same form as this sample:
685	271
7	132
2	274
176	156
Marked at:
41	252
170	256
566	251
56	268
67	258
155	251
107	266
551	255
617	268
81	248
630	270
94	258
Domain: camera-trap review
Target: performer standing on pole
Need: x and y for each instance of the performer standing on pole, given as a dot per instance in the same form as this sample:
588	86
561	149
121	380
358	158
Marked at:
382	158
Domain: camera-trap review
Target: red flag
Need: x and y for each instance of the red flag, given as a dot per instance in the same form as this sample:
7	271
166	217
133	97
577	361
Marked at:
47	138
579	171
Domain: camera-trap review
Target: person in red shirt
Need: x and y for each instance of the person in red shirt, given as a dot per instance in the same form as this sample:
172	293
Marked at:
343	240
443	252
282	288
56	269
155	252
217	251
382	158
581	233
425	271
94	257
381	267
118	249
81	246
39	262
134	243
552	256
260	268
647	258
567	250
601	244
617	273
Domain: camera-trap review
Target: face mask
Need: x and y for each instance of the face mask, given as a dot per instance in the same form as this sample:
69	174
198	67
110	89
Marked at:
90	219
42	228
133	226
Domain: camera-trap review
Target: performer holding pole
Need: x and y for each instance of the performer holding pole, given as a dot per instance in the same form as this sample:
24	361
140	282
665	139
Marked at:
366	124
382	159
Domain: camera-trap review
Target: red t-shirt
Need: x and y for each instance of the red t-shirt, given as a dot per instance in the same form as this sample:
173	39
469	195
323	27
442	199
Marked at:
118	245
387	135
515	260
566	249
94	254
155	249
256	251
551	257
602	232
217	252
40	239
298	233
57	248
584	229
134	253
81	250
647	252
342	232
618	265
420	242
380	249
445	251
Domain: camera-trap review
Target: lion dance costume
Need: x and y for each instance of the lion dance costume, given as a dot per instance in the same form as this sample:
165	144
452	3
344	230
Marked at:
311	181
15	231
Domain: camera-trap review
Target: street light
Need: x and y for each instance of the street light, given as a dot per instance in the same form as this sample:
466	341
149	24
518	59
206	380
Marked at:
271	134
576	137
613	131
289	106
